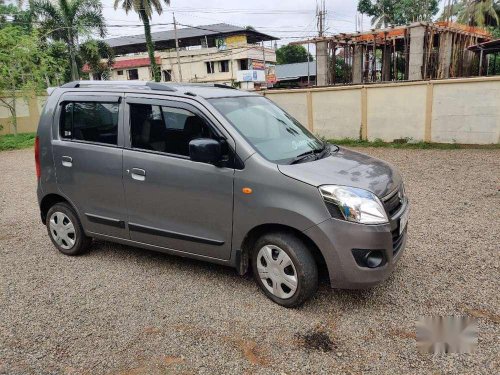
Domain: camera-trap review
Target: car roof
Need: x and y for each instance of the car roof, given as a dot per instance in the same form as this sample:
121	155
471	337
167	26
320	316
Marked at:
206	91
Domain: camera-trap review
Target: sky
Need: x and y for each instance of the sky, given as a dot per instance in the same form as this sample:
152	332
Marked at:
290	20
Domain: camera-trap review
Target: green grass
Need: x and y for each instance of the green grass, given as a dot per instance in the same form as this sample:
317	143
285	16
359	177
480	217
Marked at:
26	140
404	143
17	142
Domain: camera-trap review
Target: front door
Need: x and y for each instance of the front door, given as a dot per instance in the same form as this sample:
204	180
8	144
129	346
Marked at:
173	202
87	148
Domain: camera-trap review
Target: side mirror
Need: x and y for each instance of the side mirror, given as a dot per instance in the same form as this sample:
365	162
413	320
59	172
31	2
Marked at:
205	150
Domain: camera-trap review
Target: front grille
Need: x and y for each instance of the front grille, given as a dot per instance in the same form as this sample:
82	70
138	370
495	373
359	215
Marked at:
393	202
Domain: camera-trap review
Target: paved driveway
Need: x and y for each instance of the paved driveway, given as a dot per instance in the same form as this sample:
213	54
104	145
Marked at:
123	310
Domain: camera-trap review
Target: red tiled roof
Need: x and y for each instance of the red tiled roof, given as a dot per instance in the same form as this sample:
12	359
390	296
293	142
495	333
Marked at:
127	64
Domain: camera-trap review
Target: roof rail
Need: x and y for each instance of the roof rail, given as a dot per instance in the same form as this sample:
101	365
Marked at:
222	86
159	86
136	84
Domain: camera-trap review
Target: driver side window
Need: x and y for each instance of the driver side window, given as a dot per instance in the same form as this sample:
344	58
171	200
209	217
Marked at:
165	129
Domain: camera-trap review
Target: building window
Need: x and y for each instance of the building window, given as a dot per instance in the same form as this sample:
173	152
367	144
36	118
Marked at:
243	64
133	74
224	66
167	75
119	72
210	67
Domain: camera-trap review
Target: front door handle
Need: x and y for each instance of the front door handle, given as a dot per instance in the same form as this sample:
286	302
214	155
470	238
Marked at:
67	161
138	174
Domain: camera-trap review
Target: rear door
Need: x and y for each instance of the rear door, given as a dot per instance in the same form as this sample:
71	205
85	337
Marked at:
173	202
88	155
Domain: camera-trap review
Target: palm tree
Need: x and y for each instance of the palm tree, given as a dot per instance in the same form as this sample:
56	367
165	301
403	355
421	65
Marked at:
145	9
70	21
479	13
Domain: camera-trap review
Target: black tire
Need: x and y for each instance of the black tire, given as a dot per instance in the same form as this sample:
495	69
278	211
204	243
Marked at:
81	241
303	261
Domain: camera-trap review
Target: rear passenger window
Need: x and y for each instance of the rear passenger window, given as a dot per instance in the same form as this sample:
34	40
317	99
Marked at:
90	121
165	129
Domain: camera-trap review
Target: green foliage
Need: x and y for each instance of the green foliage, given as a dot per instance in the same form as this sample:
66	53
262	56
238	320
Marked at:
291	54
398	12
351	142
342	70
17	142
494	31
70	21
482	13
145	10
58	52
25	68
11	15
93	52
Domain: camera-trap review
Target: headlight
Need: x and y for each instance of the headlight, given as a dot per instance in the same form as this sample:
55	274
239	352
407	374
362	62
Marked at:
356	205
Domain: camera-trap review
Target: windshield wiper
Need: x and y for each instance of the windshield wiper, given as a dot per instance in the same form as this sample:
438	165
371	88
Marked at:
306	155
301	157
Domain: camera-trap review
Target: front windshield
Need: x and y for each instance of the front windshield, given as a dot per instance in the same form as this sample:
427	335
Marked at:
272	132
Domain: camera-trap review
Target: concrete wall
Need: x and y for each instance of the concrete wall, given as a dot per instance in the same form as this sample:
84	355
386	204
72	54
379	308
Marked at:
445	111
28	113
448	111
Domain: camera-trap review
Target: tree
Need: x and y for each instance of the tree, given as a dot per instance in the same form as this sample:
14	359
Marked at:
382	11
398	12
290	54
145	9
477	12
415	10
25	68
93	52
11	15
70	21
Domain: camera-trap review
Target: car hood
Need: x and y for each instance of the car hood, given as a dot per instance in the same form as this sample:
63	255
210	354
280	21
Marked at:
347	168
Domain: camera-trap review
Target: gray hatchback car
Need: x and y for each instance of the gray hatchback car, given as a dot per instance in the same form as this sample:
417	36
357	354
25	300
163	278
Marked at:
215	174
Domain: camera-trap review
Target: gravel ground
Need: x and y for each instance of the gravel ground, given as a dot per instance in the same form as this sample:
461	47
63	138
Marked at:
122	310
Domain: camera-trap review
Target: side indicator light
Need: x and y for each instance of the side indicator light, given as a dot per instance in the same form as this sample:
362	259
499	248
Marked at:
247	190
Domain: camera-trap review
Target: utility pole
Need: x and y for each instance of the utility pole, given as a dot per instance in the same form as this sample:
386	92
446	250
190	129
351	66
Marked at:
264	61
308	65
321	47
177	49
321	14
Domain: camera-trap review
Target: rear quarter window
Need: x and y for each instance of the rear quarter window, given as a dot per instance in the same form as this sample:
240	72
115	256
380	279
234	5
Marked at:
90	121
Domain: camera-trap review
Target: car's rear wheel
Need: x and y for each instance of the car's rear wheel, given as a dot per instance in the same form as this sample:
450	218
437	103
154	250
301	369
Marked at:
65	230
284	268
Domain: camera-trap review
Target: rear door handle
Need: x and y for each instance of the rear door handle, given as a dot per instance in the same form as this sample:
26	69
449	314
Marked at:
67	161
138	174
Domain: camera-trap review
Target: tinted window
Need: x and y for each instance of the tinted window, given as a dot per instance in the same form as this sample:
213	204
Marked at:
90	121
165	129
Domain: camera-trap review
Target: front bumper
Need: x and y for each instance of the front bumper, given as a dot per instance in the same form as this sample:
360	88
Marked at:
337	238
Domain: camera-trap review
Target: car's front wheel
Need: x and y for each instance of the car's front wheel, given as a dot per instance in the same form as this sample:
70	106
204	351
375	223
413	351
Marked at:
65	230
284	268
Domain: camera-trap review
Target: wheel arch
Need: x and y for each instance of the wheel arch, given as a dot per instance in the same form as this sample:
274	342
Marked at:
256	232
48	201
